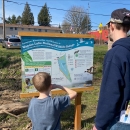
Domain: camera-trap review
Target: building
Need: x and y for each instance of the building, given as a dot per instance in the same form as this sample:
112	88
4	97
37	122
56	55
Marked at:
97	35
13	29
104	35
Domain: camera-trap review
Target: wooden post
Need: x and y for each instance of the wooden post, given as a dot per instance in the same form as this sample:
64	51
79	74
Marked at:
77	122
100	39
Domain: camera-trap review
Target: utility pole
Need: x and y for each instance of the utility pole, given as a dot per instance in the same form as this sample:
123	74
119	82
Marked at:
88	18
3	19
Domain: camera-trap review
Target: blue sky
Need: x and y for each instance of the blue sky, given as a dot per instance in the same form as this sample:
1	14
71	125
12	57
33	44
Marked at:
104	7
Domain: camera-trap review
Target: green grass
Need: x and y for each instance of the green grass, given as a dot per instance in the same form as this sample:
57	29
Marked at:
10	67
89	99
9	52
99	53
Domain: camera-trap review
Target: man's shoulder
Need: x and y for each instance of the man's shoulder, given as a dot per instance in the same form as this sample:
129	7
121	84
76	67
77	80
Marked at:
121	46
117	52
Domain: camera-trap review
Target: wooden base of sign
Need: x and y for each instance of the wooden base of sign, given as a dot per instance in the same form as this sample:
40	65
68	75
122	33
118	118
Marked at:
77	120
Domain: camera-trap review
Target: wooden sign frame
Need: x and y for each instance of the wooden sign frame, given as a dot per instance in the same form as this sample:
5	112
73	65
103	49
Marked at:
77	120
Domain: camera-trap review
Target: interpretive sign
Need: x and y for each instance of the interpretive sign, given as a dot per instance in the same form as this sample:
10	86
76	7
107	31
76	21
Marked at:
69	60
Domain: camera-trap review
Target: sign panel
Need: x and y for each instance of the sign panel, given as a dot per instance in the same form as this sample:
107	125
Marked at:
69	61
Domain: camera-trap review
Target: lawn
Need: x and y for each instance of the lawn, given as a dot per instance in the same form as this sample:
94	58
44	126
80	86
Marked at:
10	67
9	52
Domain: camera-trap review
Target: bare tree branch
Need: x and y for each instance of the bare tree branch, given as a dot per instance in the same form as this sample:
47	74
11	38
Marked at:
77	20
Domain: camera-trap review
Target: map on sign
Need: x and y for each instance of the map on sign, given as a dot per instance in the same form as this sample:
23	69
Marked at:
63	67
69	61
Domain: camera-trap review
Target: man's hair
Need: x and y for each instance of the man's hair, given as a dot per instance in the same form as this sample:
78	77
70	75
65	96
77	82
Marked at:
42	81
124	27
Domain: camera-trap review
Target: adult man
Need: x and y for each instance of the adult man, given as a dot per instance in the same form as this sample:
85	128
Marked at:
115	87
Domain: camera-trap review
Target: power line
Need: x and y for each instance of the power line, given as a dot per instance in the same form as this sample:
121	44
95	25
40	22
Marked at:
54	8
8	4
94	1
106	2
95	23
68	0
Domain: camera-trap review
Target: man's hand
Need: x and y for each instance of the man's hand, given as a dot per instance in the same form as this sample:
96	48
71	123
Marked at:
94	128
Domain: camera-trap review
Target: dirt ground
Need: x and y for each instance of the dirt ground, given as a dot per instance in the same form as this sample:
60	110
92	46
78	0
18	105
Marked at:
9	96
6	121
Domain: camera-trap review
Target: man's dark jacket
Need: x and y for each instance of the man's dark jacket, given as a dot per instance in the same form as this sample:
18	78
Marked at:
115	87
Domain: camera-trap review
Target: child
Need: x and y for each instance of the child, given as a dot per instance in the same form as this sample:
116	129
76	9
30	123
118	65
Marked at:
45	111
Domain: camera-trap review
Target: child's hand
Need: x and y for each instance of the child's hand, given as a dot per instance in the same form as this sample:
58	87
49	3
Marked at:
94	128
53	86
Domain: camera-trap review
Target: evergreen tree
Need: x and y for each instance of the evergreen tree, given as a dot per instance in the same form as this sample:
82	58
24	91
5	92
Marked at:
31	19
19	19
13	19
44	17
59	26
8	20
27	16
86	24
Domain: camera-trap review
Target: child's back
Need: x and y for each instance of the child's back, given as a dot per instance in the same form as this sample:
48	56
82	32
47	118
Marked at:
45	113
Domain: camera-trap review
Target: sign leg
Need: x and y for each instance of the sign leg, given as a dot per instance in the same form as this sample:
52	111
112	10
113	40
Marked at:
77	122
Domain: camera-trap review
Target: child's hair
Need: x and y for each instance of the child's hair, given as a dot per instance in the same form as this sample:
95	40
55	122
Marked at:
42	81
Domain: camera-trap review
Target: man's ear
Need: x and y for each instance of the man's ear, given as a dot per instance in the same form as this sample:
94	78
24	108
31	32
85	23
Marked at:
112	26
51	86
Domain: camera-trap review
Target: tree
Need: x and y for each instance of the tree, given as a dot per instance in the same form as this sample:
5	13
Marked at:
66	27
19	19
13	19
44	17
77	20
31	19
27	16
59	26
8	20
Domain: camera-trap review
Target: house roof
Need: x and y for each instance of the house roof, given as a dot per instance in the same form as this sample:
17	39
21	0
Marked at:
30	26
